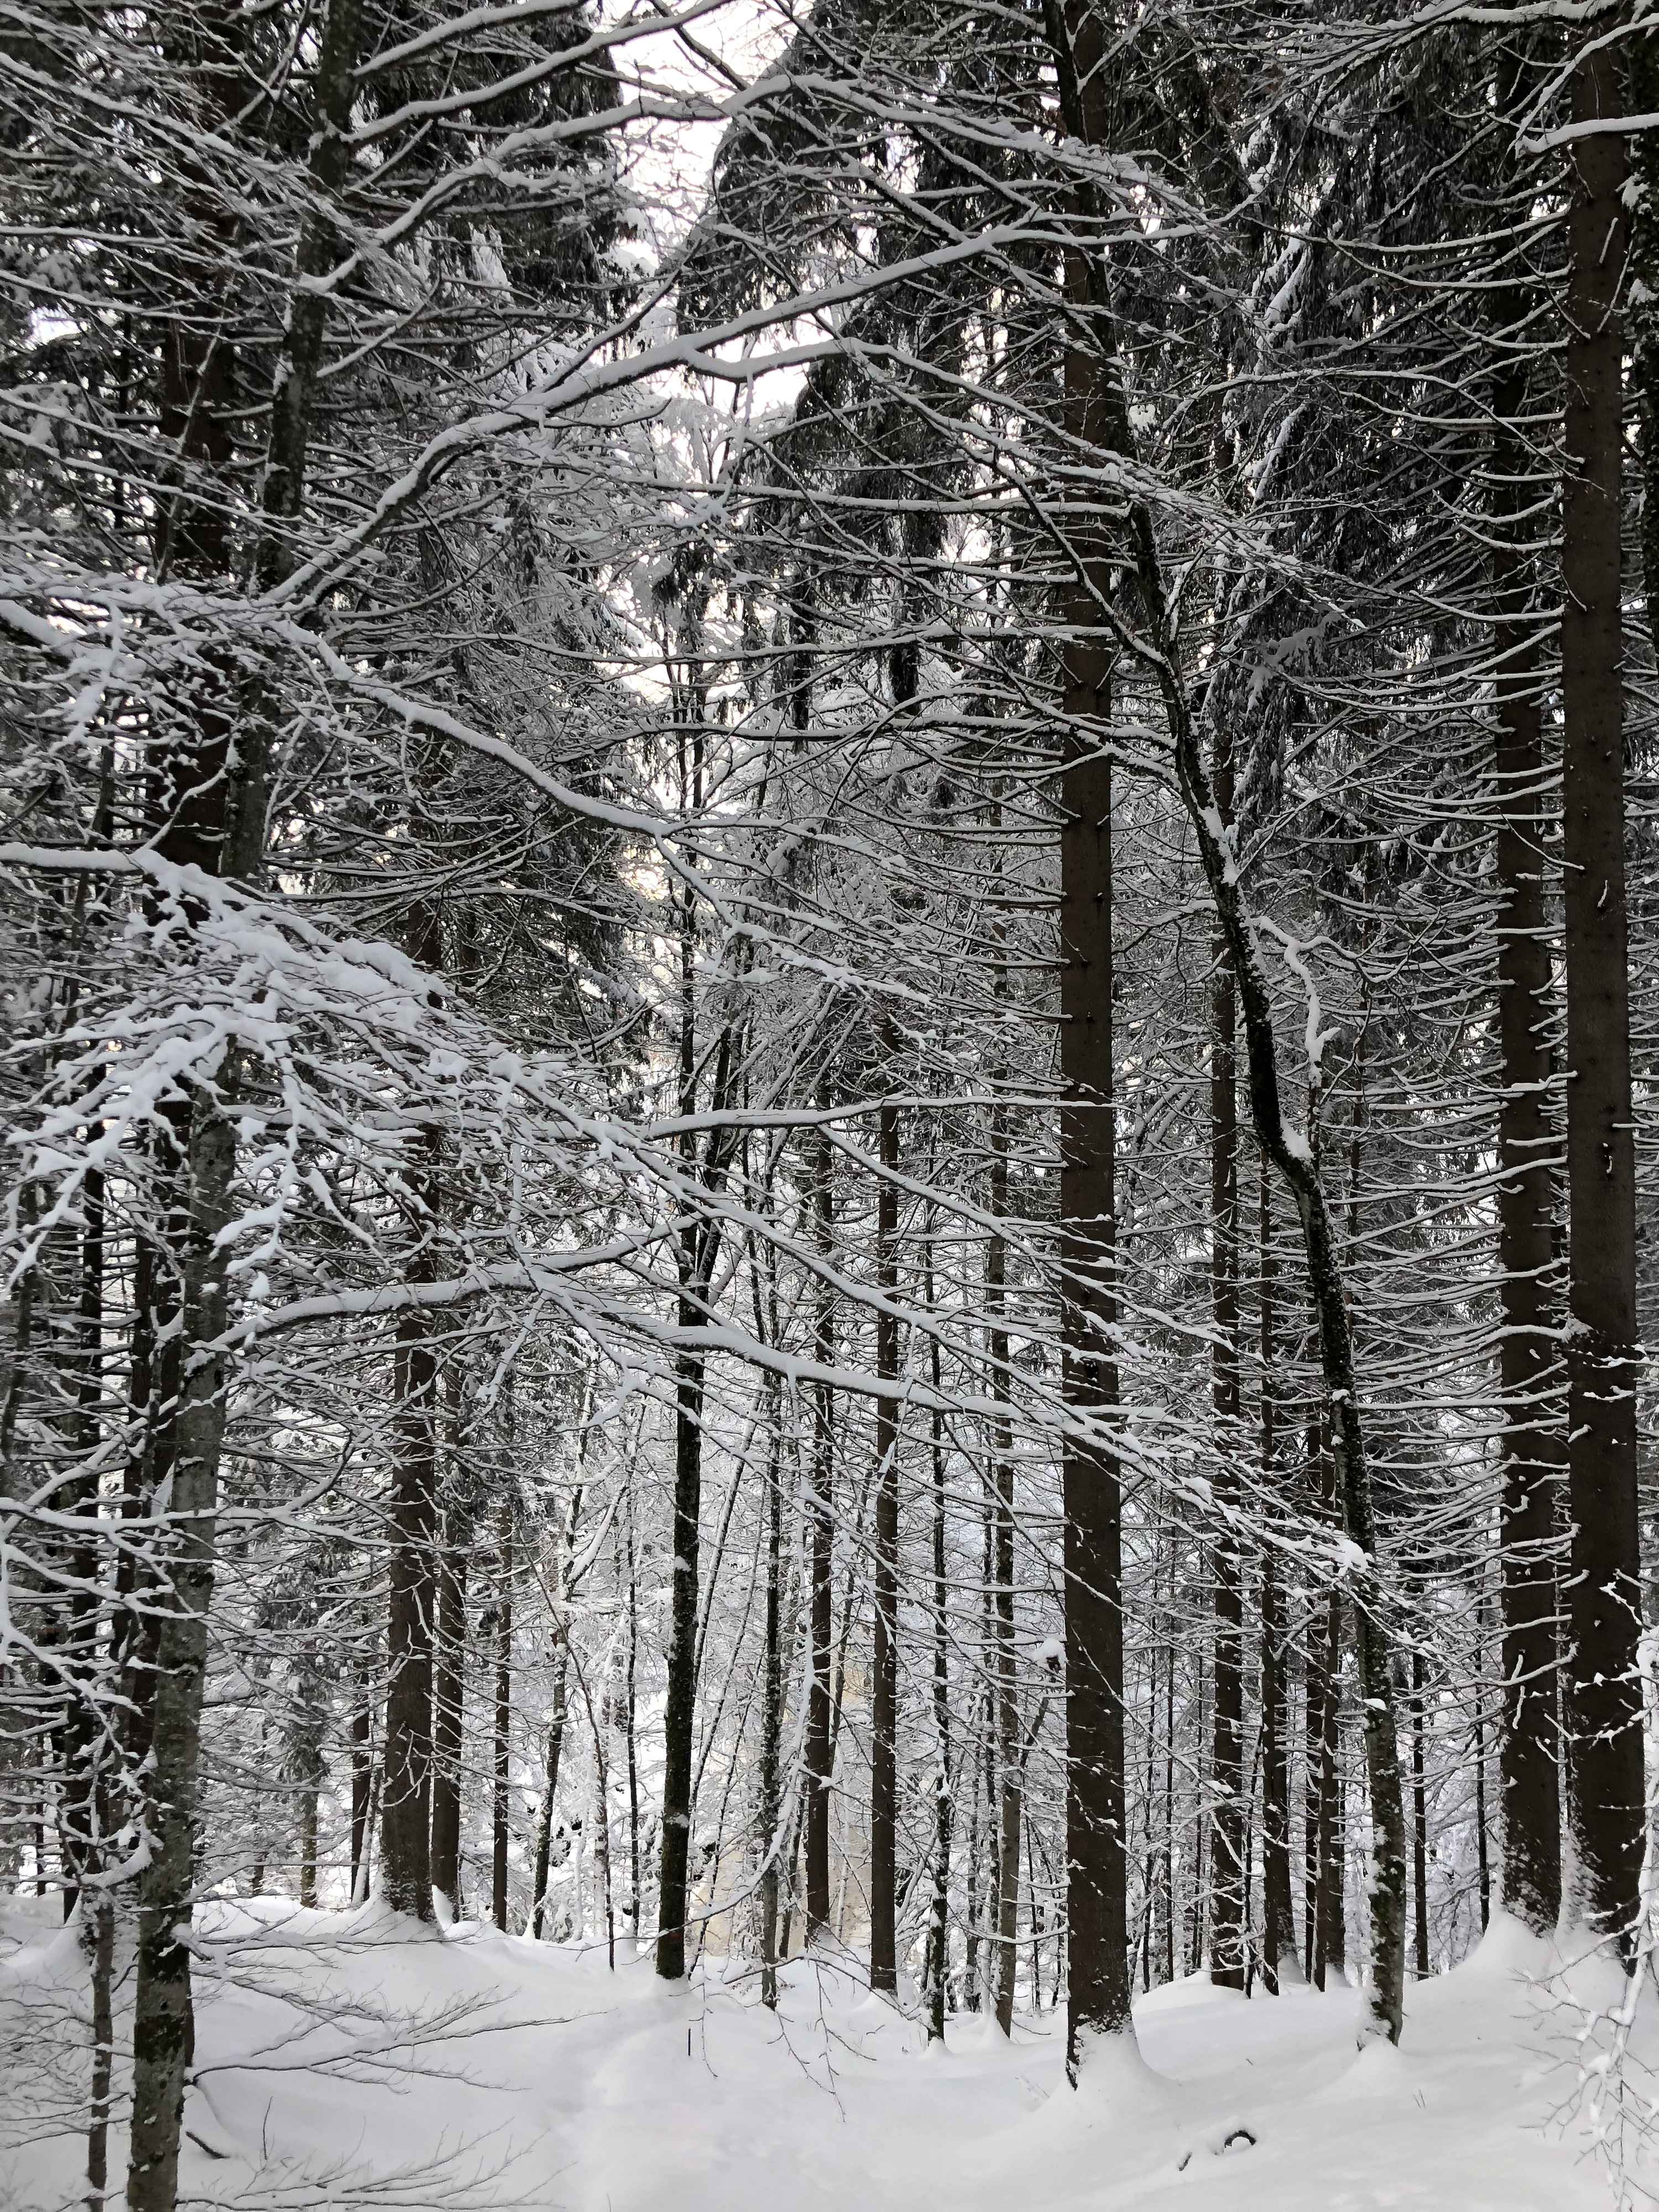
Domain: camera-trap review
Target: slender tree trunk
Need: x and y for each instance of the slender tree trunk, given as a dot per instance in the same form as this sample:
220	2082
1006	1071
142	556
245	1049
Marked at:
162	2015
1419	1822
406	1805
103	2050
556	1726
770	1837
1534	1446
361	1769
1009	1779
84	1787
308	1802
971	1984
1483	1860
818	1778
630	1731
502	1774
1332	1946
939	1925
550	1784
1172	1963
883	1717
448	1706
1606	1799
1278	1928
679	1715
1227	1919
1095	1839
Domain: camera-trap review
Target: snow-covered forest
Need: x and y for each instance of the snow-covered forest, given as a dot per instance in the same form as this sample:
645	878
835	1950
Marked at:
829	901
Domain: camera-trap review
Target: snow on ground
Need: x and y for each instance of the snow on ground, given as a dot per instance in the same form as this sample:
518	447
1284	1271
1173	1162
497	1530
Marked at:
341	2062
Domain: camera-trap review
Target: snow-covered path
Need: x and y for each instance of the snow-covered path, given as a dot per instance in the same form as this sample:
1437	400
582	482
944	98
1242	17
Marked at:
340	2063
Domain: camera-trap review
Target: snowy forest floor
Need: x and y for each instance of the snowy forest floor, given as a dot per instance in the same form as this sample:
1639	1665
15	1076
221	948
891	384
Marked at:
340	2063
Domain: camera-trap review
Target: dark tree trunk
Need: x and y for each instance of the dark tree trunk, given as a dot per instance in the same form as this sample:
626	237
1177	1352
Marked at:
1005	1675
1419	1822
770	1836
1096	1862
1331	1944
556	1726
938	1922
163	2018
818	1779
679	1714
883	1717
503	1724
406	1804
361	1772
555	1729
1604	1691
1278	1923
448	1706
1227	1917
1534	1445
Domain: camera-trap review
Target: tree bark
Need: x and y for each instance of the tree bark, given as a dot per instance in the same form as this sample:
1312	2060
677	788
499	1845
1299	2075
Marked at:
1419	1823
938	1921
362	1772
771	1838
1277	1929
1097	1863
679	1715
818	1779
1534	1446
503	1724
1227	1915
1604	1691
406	1804
161	2014
1006	1711
883	1717
448	1706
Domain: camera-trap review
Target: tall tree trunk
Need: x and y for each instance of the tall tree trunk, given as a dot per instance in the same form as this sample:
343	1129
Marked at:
161	2014
1227	1915
770	1835
448	1707
1095	1859
631	1737
362	1724
555	1729
818	1779
1606	1799
1331	1945
883	1717
406	1804
103	2050
1278	1928
1419	1822
1006	1710
680	1713
556	1726
1534	1446
503	1724
938	1921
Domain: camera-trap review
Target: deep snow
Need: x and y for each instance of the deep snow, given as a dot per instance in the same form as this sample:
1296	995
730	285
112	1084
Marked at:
341	2062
